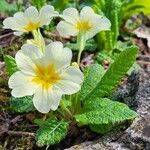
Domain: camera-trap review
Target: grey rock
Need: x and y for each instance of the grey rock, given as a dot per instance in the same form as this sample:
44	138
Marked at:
136	93
127	92
137	136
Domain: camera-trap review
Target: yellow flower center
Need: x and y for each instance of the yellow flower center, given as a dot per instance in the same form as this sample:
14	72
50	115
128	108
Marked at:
83	25
46	76
31	26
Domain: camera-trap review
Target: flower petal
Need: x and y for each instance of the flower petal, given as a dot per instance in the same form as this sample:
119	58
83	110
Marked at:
86	13
99	23
32	14
73	74
56	54
10	23
70	15
31	51
66	29
21	85
20	19
31	19
67	87
45	100
18	33
46	14
24	63
70	81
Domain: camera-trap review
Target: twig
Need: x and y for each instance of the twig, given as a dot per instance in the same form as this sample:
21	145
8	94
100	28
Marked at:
144	57
20	133
47	147
16	119
6	35
143	62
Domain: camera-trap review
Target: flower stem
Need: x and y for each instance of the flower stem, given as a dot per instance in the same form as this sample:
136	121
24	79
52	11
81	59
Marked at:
35	34
44	117
38	40
65	109
77	104
79	57
81	45
77	2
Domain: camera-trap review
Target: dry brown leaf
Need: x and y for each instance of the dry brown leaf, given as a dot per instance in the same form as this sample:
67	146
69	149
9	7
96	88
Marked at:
143	32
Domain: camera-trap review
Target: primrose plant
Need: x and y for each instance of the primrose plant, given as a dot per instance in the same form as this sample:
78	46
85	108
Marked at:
44	79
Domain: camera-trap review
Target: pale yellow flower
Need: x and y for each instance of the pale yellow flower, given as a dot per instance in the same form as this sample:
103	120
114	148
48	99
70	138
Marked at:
30	20
47	76
86	22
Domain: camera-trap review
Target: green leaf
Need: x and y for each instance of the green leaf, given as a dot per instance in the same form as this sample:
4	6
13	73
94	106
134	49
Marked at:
11	65
103	56
90	45
102	128
38	3
66	102
114	74
92	76
104	111
51	132
39	122
6	7
135	6
107	39
135	67
21	105
60	5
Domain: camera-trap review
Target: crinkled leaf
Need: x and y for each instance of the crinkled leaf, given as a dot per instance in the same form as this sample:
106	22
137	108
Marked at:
66	101
23	104
103	56
104	111
102	128
143	32
114	74
90	45
6	7
51	132
93	74
39	122
11	65
135	67
107	39
60	5
135	6
38	3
